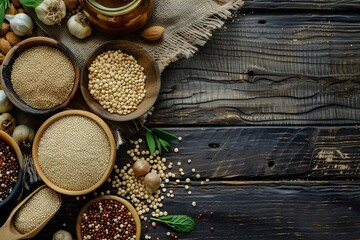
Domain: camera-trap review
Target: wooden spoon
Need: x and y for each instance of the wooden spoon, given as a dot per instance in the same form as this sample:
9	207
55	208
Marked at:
9	232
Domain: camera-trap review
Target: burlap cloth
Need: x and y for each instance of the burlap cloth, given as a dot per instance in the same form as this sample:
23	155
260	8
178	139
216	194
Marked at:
188	24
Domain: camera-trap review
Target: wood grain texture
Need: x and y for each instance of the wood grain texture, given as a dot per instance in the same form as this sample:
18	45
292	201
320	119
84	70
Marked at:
348	5
271	152
251	210
268	69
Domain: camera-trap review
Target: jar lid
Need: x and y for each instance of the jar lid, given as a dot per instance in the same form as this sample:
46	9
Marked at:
102	7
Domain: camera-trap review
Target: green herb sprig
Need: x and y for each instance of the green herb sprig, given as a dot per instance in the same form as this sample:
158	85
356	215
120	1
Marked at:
158	138
31	3
4	5
179	223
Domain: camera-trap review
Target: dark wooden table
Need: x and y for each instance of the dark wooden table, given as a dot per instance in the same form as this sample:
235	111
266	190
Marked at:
268	111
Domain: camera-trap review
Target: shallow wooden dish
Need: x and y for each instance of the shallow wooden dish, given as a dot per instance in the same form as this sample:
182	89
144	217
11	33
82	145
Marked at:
11	142
110	197
56	117
152	83
7	67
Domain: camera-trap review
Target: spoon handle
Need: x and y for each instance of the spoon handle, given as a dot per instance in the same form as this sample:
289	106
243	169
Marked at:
6	233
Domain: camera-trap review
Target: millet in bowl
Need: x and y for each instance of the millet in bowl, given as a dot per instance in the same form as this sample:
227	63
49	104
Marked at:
40	75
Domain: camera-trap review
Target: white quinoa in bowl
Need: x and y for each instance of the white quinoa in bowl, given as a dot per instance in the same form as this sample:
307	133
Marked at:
74	152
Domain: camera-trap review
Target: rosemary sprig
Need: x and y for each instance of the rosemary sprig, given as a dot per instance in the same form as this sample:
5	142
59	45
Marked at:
4	5
158	138
179	223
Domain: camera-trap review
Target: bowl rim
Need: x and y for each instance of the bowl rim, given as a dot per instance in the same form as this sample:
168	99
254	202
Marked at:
15	147
53	119
24	45
97	108
127	204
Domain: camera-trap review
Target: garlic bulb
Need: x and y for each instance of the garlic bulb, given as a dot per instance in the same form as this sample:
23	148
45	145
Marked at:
51	12
7	123
5	104
62	235
79	26
23	136
21	24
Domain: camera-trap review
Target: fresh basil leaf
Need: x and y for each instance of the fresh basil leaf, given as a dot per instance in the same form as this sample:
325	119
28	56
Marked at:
150	142
163	134
179	223
31	3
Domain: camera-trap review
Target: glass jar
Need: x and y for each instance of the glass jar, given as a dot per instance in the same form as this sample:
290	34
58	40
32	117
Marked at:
118	16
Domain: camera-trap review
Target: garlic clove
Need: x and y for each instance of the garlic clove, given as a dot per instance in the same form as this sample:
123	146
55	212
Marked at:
21	24
5	104
7	123
79	26
23	136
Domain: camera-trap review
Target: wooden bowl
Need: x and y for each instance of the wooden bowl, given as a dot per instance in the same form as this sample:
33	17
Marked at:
48	123
109	197
7	68
152	82
11	142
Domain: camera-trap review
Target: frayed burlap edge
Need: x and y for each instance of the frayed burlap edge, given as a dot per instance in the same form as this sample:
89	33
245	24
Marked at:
185	42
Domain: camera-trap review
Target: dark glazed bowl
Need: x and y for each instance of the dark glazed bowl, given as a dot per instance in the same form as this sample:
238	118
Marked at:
152	82
7	68
11	142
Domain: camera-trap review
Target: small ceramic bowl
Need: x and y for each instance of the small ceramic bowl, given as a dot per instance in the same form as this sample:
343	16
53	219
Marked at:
7	68
10	141
109	197
102	177
152	82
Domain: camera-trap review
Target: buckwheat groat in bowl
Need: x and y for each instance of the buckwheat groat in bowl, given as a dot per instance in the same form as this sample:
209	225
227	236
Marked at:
74	152
40	75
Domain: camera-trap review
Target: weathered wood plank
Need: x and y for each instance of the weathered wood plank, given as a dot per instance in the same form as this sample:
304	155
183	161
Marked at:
294	69
252	210
349	5
280	152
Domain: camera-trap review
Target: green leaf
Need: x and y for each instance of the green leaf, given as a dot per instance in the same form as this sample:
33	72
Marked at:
2	14
150	142
163	134
179	223
4	5
158	144
31	3
164	144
